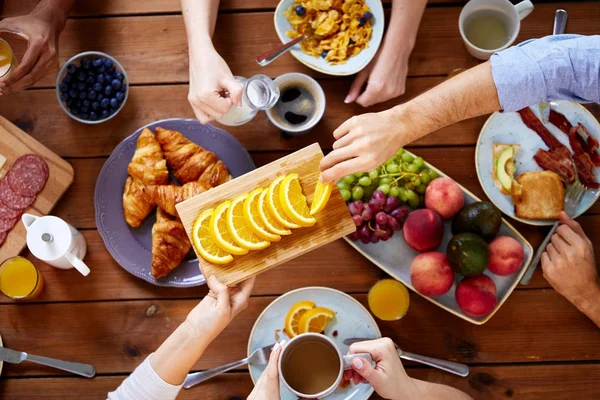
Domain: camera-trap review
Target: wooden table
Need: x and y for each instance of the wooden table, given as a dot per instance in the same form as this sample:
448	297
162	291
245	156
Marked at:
537	346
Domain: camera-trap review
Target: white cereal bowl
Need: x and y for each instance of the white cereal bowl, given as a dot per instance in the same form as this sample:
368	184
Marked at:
354	64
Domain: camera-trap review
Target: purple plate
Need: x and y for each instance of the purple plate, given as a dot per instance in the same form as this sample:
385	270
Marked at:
132	247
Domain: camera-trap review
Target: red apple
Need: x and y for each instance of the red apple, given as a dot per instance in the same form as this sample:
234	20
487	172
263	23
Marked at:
431	274
423	229
444	196
476	295
506	256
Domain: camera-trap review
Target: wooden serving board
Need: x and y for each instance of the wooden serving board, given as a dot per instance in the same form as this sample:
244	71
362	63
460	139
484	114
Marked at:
333	222
13	144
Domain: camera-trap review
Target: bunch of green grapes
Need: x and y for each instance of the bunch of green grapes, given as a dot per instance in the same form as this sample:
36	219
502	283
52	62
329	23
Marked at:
402	176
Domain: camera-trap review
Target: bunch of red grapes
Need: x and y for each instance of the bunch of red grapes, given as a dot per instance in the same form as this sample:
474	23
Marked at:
378	219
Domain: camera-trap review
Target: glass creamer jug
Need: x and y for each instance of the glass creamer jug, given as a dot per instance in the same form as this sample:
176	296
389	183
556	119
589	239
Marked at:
260	94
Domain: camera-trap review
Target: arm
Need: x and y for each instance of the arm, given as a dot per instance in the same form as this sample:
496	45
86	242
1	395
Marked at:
386	74
41	28
209	73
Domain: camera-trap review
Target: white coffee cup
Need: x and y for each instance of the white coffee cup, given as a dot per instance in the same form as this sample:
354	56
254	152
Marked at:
511	15
296	345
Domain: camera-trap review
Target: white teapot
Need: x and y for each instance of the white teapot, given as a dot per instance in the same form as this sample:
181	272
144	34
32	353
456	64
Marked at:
55	242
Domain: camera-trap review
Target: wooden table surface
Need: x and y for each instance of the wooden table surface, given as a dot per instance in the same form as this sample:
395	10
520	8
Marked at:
537	345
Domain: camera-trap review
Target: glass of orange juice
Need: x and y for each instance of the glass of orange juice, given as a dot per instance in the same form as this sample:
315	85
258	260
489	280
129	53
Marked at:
20	279
389	300
7	58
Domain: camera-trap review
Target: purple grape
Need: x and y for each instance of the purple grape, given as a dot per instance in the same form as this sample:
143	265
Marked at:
390	204
357	220
400	214
381	218
367	213
379	196
365	234
374	239
393	223
379	231
375	205
354	235
356	207
388	234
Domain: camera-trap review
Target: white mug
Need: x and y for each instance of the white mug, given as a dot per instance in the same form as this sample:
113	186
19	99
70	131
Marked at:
296	344
513	14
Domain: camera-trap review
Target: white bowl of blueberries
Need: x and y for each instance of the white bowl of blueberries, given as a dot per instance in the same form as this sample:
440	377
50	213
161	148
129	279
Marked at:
92	87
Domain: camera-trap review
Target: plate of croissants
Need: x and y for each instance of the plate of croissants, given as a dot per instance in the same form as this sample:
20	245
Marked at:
148	173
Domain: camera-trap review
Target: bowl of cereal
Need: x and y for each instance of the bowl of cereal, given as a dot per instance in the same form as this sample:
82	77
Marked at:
342	36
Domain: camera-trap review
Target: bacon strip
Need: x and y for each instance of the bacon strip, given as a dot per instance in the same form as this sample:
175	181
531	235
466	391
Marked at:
553	161
560	121
533	123
590	147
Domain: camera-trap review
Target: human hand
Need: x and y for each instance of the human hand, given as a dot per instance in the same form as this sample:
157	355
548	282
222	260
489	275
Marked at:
388	378
41	28
569	264
219	307
209	78
267	386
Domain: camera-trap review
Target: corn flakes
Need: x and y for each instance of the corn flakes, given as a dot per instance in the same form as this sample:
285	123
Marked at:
336	29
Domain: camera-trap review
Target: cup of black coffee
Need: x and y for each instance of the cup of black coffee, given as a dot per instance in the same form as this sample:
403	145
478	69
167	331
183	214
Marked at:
300	106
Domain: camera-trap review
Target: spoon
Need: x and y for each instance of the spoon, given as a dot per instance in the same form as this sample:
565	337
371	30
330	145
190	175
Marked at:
271	55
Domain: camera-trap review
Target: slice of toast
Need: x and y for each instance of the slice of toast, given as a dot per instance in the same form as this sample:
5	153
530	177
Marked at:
542	195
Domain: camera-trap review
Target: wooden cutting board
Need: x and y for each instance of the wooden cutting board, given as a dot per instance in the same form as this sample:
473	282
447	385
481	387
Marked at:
333	222
13	144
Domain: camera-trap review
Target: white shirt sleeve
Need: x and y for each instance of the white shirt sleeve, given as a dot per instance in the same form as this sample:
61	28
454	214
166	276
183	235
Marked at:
145	383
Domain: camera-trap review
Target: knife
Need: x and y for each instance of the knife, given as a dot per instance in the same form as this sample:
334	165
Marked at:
448	366
15	357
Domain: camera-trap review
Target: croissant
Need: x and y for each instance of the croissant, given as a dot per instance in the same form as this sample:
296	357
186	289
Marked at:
167	196
186	159
136	203
215	175
170	244
148	163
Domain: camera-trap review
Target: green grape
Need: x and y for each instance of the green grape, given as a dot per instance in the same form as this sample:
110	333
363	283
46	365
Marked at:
425	177
357	192
390	161
392	168
412	168
400	152
407	158
369	192
343	185
349	179
374	174
345	194
414	202
365	181
433	174
385	188
421	189
415	181
395	191
402	195
419	162
385	181
359	174
410	194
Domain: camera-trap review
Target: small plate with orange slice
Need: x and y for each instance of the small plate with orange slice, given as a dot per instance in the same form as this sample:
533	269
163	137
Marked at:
314	309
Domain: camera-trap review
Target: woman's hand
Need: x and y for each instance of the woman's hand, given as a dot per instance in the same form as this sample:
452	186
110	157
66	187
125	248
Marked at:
219	307
210	78
267	386
388	377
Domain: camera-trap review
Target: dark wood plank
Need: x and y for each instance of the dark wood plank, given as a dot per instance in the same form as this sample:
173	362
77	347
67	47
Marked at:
117	336
555	382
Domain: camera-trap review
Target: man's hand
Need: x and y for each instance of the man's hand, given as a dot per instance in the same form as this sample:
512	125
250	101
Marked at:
569	265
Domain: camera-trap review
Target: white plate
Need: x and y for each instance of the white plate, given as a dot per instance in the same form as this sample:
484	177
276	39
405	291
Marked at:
509	128
354	64
395	256
351	320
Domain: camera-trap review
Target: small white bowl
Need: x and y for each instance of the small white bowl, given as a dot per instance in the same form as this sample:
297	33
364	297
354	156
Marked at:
354	64
77	60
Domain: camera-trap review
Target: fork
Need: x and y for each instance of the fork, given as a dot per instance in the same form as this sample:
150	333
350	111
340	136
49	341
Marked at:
258	356
573	198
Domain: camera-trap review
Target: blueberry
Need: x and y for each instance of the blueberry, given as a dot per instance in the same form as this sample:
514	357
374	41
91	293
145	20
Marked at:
351	42
97	62
75	112
324	53
82	95
71	68
86	63
110	71
72	93
81	76
119	75
120	95
90	80
95	105
116	84
70	103
362	21
85	109
68	78
63	87
107	91
84	115
104	114
100	78
104	103
300	10
367	15
91	94
64	97
100	97
108	63
114	103
98	87
101	69
107	79
86	103
80	86
77	104
93	116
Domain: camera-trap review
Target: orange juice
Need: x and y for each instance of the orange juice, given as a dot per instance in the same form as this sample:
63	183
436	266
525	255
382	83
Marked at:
6	58
389	300
20	279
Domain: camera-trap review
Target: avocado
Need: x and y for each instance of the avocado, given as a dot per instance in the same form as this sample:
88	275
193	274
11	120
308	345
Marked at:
468	254
482	218
502	171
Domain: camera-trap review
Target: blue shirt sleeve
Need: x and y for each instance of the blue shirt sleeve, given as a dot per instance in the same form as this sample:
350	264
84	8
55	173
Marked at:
560	67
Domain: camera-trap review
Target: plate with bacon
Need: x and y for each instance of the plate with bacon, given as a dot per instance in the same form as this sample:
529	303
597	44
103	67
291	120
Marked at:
525	160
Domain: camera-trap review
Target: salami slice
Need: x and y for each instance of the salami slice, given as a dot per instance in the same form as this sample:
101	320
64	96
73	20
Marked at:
7	212
7	224
3	236
28	175
11	199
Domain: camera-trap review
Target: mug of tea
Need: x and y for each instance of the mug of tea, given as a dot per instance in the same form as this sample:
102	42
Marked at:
311	365
488	26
